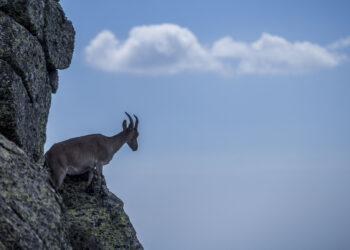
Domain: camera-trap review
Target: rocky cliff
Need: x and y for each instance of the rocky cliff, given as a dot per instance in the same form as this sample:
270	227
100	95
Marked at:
36	39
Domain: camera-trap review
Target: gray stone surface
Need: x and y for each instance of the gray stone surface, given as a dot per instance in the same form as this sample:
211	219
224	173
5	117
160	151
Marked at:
58	36
98	220
23	52
25	122
29	13
31	215
22	120
13	104
46	20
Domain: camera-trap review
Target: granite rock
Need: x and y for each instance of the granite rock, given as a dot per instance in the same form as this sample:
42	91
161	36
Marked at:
21	120
58	36
96	220
29	13
26	56
46	20
31	214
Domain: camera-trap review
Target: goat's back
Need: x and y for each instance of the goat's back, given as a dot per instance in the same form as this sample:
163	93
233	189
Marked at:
79	151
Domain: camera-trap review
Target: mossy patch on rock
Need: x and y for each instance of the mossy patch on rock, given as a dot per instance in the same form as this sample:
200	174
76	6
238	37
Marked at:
98	220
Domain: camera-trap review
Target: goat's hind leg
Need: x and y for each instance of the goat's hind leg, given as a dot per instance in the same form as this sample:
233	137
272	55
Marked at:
57	176
99	180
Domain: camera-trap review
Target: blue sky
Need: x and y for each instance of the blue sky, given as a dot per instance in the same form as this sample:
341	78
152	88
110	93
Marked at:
244	117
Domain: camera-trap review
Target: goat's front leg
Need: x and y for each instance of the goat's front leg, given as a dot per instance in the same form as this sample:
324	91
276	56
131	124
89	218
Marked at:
89	188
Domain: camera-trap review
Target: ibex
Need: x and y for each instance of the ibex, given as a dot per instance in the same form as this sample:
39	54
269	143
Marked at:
83	154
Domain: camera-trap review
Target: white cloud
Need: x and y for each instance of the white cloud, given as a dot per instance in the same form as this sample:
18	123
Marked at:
340	44
154	49
169	49
275	55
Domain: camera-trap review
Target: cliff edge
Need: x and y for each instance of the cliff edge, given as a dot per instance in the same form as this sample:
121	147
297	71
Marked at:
36	39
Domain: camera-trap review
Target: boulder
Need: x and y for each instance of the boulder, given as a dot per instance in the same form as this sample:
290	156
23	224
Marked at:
22	120
29	13
96	220
31	214
58	36
46	20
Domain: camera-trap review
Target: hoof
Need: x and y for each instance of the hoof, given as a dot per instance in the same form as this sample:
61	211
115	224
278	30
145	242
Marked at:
102	193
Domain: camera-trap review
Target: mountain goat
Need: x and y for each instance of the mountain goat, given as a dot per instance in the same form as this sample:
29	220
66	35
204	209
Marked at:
85	153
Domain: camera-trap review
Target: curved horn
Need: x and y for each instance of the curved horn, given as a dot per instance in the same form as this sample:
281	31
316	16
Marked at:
131	125
137	121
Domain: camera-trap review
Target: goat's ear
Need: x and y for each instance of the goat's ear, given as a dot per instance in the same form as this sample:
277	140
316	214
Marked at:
124	125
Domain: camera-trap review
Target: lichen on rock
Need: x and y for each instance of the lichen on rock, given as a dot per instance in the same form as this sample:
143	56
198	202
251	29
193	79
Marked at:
58	36
96	221
28	13
21	120
36	39
46	20
24	57
31	215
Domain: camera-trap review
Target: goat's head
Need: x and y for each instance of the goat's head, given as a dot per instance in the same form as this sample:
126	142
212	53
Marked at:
132	132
